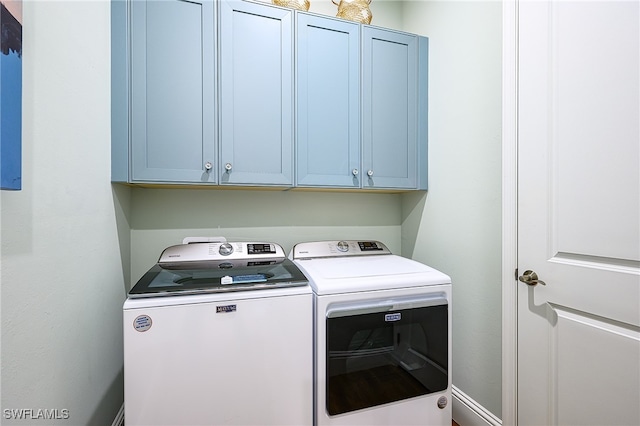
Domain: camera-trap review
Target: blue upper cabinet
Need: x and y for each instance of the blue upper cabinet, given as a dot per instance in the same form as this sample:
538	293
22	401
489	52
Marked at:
328	102
256	94
394	110
172	86
204	91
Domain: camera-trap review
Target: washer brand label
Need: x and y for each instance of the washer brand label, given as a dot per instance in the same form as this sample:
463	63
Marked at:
142	323
393	317
225	309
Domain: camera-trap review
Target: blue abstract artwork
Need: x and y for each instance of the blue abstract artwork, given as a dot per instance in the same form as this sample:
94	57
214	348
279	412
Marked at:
11	94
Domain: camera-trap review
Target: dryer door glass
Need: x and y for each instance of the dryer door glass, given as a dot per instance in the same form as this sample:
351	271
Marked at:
385	351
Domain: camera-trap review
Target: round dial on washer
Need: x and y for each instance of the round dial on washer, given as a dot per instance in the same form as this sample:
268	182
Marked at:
343	246
225	249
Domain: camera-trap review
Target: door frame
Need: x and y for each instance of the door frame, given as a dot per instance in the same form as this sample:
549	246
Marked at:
509	212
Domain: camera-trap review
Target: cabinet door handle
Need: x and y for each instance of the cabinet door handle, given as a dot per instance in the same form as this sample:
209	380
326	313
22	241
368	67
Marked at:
208	165
355	172
369	173
228	167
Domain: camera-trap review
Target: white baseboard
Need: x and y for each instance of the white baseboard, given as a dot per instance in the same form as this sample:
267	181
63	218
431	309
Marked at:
119	420
467	412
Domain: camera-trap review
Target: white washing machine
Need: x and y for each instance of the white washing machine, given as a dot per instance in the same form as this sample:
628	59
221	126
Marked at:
382	333
219	333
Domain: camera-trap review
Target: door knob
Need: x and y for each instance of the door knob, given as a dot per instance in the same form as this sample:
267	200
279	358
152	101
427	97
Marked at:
530	278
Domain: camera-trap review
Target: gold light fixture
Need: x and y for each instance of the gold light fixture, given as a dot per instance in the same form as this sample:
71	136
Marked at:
354	10
293	4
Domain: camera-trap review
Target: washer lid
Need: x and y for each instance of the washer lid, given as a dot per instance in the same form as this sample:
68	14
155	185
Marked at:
218	278
217	267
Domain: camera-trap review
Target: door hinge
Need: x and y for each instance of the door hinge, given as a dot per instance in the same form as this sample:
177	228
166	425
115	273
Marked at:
515	276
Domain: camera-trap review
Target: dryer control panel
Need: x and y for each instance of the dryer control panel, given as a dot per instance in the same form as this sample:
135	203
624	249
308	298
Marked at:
342	248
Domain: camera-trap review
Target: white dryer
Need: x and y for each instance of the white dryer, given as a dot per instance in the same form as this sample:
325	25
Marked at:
219	333
382	333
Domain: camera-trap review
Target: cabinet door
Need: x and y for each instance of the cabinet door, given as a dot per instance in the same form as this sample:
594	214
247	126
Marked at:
328	102
390	107
256	94
172	91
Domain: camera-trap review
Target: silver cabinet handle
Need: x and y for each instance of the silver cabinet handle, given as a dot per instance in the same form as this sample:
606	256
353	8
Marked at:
228	167
208	165
369	173
355	172
530	278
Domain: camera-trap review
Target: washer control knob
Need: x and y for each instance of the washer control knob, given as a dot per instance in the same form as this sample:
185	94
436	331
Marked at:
225	249
343	246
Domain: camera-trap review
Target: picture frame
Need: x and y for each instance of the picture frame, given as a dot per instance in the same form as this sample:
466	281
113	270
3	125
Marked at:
11	94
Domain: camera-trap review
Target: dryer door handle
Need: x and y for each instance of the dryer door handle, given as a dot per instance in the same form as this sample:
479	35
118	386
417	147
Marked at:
361	307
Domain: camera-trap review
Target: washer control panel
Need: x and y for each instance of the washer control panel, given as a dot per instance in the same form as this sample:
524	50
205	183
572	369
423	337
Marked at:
216	251
342	248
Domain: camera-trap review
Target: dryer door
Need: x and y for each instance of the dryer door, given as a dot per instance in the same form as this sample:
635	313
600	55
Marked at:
385	350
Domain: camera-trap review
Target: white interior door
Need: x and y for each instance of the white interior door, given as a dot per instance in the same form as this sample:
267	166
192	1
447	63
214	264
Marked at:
578	212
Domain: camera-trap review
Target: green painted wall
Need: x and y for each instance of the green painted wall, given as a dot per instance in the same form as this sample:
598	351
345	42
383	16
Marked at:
163	217
456	226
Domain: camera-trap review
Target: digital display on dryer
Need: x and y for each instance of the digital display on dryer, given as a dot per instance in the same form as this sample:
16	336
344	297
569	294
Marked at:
368	246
